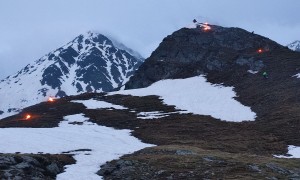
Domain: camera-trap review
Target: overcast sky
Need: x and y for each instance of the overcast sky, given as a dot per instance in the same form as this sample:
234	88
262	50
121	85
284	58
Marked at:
30	29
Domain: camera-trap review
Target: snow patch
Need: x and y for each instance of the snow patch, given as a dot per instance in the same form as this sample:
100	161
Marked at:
94	104
297	75
153	115
294	152
295	46
252	72
105	144
196	95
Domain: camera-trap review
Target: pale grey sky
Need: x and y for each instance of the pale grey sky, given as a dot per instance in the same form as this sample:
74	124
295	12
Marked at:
30	29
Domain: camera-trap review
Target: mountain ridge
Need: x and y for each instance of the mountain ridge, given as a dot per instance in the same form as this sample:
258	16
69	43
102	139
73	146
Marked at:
200	51
90	62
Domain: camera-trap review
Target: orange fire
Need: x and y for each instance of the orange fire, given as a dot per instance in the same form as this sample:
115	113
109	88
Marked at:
50	99
28	116
206	27
259	50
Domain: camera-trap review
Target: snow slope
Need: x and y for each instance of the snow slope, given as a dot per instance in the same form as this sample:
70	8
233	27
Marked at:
198	96
105	144
94	104
295	46
89	63
294	152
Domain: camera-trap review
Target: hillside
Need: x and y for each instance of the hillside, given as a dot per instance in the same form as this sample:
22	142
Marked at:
202	101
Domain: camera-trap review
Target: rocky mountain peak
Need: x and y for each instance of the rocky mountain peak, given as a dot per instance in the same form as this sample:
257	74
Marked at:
88	63
193	51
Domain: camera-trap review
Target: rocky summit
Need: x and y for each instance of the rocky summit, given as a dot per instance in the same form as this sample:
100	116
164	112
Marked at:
190	52
89	63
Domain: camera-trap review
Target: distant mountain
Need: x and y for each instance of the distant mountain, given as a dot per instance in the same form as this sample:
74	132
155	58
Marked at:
89	63
295	46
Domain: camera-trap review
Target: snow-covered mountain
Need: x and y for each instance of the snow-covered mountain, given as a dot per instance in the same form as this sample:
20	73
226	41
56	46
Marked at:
295	46
89	63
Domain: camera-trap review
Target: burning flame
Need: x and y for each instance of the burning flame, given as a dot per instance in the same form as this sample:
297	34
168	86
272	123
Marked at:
206	27
50	99
28	116
259	50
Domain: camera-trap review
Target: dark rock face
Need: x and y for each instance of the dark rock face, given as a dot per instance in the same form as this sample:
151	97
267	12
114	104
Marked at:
225	56
22	166
191	52
100	66
51	76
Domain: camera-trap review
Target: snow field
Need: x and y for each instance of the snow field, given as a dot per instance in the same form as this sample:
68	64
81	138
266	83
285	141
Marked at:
294	151
94	104
196	95
105	144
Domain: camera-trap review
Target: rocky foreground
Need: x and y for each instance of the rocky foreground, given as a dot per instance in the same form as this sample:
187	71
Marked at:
30	166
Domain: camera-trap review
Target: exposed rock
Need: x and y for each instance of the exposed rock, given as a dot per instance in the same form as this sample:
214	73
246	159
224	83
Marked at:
254	167
277	169
191	52
253	65
53	169
29	166
184	152
151	163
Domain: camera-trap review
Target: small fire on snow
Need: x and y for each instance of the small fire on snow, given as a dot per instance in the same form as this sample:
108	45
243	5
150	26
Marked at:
50	99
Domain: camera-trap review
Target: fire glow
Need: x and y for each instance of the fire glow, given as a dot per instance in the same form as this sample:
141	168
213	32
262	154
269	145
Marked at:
28	116
50	99
206	27
260	51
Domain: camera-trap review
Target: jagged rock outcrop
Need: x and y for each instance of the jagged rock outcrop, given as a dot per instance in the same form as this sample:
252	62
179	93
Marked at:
30	166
